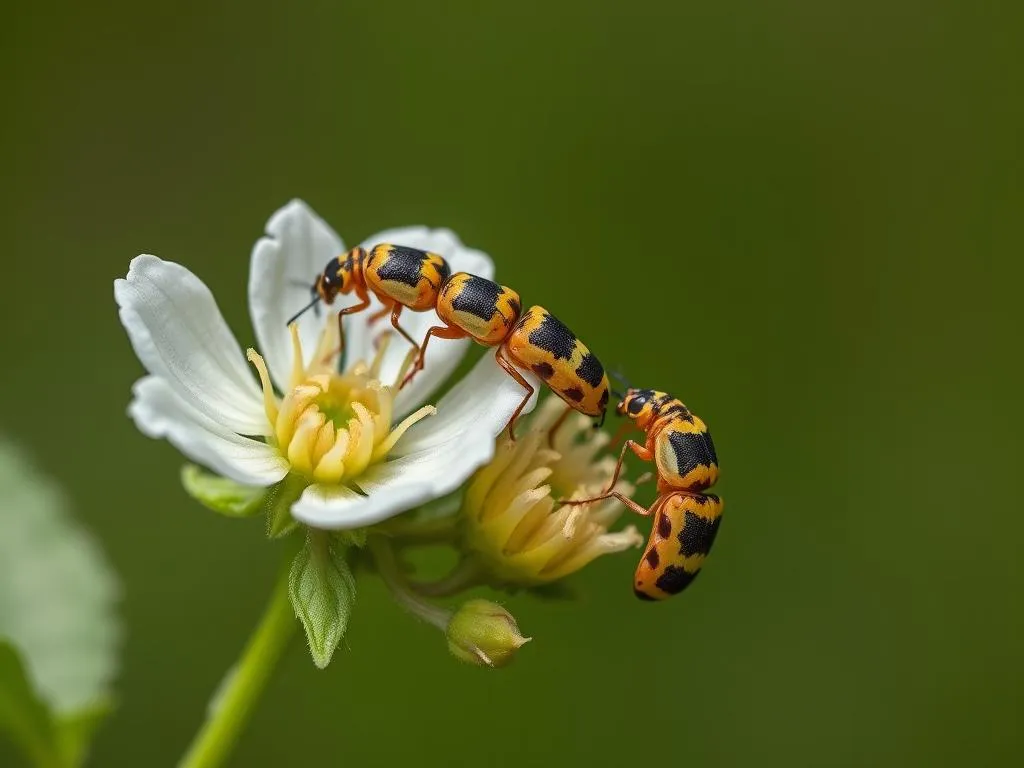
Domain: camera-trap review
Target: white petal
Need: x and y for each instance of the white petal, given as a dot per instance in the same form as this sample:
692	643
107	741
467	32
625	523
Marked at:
159	412
179	334
284	265
479	405
335	506
443	355
434	457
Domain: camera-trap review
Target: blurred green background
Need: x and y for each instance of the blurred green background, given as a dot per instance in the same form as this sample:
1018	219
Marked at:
804	218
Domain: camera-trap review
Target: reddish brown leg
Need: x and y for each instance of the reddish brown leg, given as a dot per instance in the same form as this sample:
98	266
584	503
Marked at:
395	312
380	313
620	433
349	311
616	495
511	371
442	332
557	424
638	449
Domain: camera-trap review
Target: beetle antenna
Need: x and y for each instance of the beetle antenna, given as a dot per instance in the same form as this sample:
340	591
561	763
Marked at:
620	377
304	310
617	393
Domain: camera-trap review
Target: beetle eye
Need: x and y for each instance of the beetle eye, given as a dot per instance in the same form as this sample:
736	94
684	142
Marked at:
636	405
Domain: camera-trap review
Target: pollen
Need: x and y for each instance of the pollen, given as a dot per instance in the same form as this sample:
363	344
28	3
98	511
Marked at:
332	426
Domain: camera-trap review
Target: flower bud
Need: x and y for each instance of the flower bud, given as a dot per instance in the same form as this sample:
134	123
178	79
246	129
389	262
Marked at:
484	633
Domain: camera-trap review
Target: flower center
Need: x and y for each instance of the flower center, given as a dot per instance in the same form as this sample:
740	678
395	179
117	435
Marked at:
512	521
332	426
338	410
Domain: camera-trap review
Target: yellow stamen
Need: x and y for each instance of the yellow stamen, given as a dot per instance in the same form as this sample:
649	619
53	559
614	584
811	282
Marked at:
389	442
269	401
512	523
332	426
378	357
410	356
298	367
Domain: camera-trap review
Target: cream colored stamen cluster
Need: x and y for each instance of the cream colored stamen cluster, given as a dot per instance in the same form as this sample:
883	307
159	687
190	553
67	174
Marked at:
513	523
332	426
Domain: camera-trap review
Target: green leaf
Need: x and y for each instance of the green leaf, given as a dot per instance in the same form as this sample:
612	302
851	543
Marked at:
57	610
24	717
322	590
226	497
75	731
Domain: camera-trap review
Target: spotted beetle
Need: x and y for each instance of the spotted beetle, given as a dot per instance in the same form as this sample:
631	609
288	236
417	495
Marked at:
401	277
537	341
685	519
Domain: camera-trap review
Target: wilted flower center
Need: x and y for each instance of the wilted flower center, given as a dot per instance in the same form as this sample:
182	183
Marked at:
332	426
512	520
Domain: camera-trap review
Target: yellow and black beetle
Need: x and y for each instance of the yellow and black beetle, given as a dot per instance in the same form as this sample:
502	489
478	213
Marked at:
685	520
397	275
537	341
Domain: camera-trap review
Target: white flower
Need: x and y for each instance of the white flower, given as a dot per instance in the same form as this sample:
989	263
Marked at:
367	450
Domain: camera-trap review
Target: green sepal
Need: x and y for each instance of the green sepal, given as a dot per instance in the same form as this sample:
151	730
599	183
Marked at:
355	537
278	506
24	717
322	591
223	496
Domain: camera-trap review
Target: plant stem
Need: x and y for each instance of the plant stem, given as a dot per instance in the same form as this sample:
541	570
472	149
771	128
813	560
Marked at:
384	557
463	576
233	703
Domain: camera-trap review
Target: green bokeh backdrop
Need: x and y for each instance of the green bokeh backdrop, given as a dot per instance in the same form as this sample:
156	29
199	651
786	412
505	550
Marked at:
802	217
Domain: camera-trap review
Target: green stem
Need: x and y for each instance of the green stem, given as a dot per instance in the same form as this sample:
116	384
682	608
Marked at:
233	704
391	574
463	576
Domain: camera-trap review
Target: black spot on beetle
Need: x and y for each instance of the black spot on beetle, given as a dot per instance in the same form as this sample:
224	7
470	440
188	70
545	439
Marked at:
574	393
590	370
403	265
603	401
478	297
692	450
642	595
664	525
515	306
544	370
552	336
679	411
652	557
698	534
444	271
675	579
662	401
711	446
